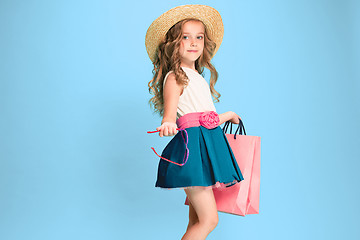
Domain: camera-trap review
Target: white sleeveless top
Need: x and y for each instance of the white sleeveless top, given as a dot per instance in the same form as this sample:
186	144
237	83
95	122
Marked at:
196	96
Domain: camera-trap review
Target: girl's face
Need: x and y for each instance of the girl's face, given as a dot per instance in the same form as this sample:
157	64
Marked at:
192	43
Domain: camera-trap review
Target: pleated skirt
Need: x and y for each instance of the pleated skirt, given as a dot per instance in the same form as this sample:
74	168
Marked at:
210	162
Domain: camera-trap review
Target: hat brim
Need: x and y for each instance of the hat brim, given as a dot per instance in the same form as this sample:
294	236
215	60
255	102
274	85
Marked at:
160	26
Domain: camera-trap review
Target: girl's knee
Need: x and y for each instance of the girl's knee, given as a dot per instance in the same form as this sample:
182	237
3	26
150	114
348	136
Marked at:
214	222
211	222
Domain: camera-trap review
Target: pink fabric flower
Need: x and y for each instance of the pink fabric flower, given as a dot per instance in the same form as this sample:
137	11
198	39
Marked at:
209	119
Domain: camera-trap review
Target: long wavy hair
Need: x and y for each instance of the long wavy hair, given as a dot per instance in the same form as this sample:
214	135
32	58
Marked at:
168	58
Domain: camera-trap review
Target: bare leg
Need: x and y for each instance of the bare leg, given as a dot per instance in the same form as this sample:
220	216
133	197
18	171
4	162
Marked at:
193	218
203	201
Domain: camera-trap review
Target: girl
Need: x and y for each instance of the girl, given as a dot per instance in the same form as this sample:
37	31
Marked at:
180	43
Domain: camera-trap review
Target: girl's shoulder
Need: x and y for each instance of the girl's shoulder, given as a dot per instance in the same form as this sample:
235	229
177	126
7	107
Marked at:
170	74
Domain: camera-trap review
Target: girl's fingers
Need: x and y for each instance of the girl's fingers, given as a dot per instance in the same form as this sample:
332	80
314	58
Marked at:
161	132
174	130
237	118
166	131
159	128
171	131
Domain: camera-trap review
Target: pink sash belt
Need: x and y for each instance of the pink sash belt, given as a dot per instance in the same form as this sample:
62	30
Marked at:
208	119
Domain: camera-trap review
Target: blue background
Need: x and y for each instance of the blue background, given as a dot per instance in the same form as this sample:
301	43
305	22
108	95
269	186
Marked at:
75	158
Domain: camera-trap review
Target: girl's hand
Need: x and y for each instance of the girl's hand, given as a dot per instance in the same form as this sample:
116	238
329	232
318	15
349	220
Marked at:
235	118
229	116
167	129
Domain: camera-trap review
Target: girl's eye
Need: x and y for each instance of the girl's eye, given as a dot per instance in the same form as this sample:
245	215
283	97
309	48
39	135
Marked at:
200	37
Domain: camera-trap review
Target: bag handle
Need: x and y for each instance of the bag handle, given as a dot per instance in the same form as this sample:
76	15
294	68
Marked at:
226	127
240	127
186	154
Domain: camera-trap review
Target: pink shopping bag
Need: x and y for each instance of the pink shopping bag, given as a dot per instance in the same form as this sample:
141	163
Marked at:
243	197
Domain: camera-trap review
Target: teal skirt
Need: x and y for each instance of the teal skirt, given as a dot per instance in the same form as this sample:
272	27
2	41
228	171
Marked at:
210	161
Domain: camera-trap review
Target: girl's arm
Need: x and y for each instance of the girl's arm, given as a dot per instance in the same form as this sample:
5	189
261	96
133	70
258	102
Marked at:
229	116
171	93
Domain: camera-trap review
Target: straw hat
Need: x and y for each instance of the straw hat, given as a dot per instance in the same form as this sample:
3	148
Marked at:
159	27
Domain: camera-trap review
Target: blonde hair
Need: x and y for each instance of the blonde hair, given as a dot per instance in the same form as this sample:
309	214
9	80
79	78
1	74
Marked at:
167	58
